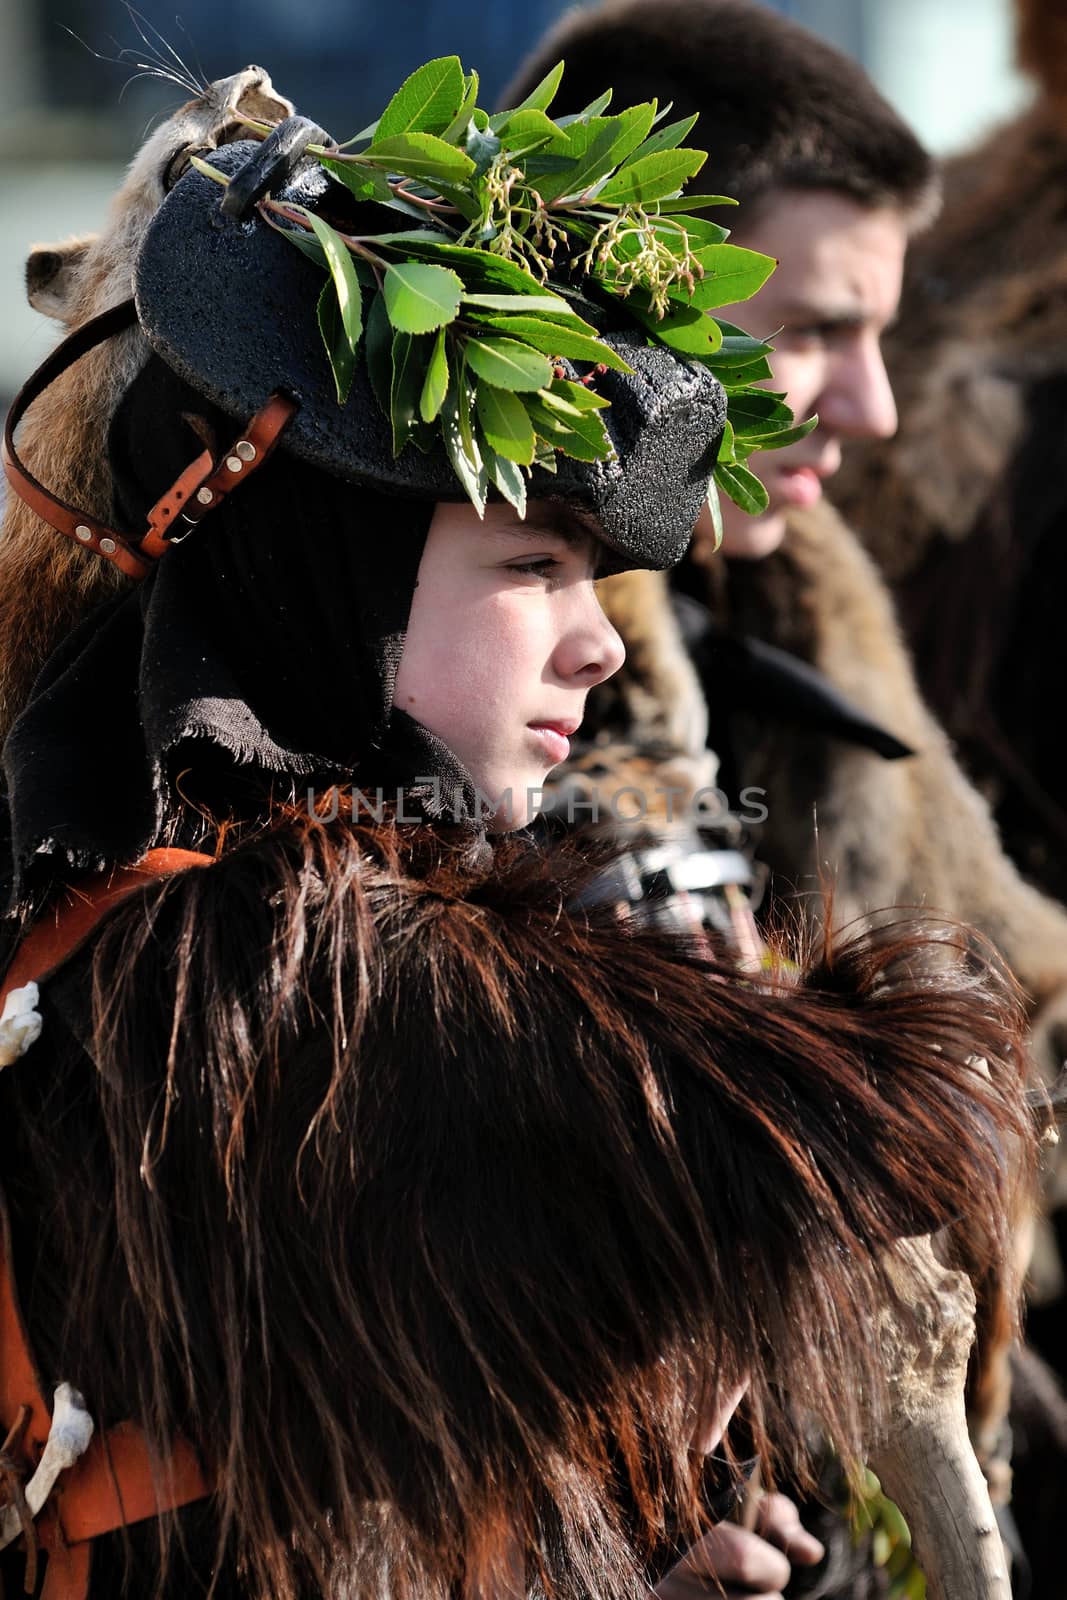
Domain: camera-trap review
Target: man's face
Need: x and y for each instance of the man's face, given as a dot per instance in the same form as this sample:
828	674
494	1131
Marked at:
833	295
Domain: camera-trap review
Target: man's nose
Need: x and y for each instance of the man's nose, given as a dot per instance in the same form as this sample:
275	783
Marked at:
857	402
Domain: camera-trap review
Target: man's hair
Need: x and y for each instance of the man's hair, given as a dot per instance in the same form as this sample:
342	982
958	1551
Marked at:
779	108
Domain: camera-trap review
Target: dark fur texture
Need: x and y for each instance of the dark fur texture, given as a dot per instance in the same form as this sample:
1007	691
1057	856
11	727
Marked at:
430	1212
778	106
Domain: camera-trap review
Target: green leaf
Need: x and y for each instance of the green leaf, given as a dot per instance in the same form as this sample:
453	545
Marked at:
421	297
378	349
685	329
694	202
699	231
541	97
364	133
577	397
731	274
787	436
481	147
419	155
305	243
338	345
582	436
456	131
348	299
207	171
549	303
587	113
409	360
651	178
744	488
509	478
478	268
505	423
462	450
752	410
733	377
667	138
508	364
631	128
588	154
426	102
524	130
364	182
727	445
436	385
738	347
555	340
715	507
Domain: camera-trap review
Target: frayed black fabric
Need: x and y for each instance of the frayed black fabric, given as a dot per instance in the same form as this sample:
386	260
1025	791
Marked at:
268	642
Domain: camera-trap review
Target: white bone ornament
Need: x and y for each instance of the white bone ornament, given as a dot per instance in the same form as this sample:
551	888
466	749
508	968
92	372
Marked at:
20	1023
68	1439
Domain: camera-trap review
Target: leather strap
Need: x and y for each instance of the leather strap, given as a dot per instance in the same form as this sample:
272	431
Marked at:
69	919
202	486
117	1482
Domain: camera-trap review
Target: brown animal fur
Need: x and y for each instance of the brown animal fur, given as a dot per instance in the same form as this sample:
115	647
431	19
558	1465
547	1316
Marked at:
427	1206
47	584
913	832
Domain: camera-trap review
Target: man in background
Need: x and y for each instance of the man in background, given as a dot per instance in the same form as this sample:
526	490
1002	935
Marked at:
832	183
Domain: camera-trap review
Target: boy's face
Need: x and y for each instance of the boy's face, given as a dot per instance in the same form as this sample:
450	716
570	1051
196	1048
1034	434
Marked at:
505	639
833	295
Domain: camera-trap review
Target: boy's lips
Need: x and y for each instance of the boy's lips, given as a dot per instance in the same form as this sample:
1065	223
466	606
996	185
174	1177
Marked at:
555	736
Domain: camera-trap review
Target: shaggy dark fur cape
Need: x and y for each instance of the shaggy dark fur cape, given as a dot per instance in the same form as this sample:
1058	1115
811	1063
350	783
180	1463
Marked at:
433	1213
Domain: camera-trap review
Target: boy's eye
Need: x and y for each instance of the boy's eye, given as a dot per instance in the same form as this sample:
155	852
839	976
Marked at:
543	567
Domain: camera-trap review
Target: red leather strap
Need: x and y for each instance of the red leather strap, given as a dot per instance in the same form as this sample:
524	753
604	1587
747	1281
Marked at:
202	486
67	1572
117	1482
69	919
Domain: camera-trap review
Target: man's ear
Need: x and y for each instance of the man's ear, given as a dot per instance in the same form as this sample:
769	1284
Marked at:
51	274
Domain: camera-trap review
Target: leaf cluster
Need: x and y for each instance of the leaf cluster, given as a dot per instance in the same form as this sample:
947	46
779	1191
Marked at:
528	232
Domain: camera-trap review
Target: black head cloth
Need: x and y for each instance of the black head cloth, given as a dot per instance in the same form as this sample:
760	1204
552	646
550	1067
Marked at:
262	651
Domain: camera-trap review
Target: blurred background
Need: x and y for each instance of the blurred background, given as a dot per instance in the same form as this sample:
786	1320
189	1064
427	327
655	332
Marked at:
74	107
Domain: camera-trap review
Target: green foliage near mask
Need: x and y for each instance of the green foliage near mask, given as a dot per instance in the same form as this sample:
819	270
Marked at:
531	234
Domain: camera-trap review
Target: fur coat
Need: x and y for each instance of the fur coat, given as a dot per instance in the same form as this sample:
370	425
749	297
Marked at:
965	510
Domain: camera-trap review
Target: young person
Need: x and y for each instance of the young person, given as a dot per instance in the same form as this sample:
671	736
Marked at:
443	1219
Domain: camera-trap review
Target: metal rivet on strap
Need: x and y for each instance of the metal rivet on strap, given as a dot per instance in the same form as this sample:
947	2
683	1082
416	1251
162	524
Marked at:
205	496
108	546
245	449
83	533
234	463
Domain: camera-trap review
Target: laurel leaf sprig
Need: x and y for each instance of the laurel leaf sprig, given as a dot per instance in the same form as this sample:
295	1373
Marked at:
479	323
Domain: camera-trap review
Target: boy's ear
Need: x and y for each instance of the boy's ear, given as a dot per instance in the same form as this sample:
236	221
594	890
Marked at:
52	272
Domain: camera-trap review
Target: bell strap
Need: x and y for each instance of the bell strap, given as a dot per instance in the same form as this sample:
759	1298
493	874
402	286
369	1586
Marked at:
202	486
